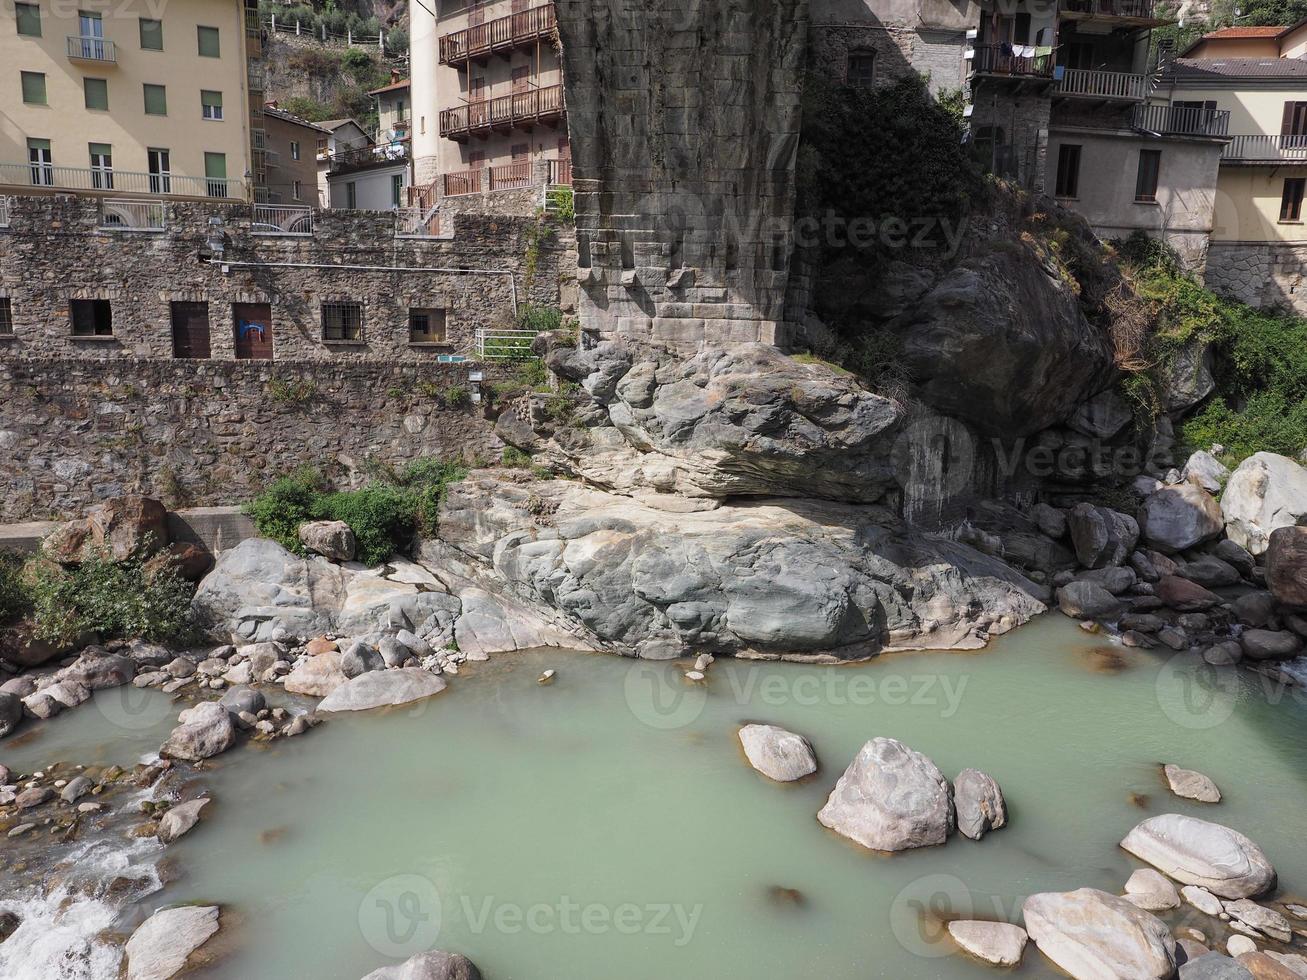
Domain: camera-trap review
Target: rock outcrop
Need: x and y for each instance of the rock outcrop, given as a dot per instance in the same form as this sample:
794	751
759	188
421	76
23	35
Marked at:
383	688
1176	518
162	944
890	798
1265	491
1286	565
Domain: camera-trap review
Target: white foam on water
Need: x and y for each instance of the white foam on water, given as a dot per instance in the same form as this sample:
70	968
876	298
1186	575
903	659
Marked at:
59	934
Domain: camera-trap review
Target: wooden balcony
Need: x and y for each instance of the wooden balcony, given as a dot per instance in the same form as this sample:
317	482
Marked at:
1105	86
499	36
521	110
999	60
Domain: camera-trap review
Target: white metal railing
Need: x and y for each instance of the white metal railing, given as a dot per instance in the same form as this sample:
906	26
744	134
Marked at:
103	179
1268	148
85	47
4	211
282	219
414	222
504	344
129	215
1103	84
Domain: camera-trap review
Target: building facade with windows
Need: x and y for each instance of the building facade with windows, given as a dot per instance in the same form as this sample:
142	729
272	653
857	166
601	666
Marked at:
290	155
1064	102
487	96
133	98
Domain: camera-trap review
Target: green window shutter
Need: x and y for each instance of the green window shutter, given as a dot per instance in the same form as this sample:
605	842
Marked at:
215	166
29	19
156	100
208	42
211	103
97	93
33	87
151	34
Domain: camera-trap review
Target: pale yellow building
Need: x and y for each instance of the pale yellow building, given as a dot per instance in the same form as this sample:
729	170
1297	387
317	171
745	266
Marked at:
487	95
1258	249
131	98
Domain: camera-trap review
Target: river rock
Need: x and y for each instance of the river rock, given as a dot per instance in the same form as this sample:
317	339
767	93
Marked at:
1191	785
205	730
382	688
996	943
979	803
1197	852
1266	491
1223	654
1286	565
42	705
1185	596
1265	920
161	945
1096	936
1264	964
1116	579
433	965
331	539
180	819
359	659
1269	644
1214	966
98	669
33	797
1179	517
1087	600
1257	609
777	753
1296	962
19	647
239	699
68	692
1151	891
1210	572
1205	470
1101	536
890	798
392	652
317	676
1050	520
11	713
1201	899
1240	945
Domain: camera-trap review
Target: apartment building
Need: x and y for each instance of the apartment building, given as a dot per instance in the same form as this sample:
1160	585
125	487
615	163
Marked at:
290	174
1258	77
130	99
1063	102
487	96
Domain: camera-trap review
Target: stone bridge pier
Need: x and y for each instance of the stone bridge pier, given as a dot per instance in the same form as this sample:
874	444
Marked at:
684	117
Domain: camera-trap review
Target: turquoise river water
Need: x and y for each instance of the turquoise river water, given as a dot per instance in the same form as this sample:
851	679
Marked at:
607	826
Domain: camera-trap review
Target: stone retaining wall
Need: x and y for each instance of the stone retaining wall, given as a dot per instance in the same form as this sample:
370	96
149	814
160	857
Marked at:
1263	274
196	433
56	250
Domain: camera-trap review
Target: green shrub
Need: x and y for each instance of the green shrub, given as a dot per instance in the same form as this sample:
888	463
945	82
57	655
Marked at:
117	600
428	479
531	316
456	396
515	458
382	518
13	593
290	501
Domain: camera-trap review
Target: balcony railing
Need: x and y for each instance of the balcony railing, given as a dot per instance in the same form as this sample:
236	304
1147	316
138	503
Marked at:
46	175
281	219
510	175
349	158
1091	84
130	215
258	77
506	112
1000	59
1132	9
462	182
1181	120
560	172
4	210
500	34
1268	149
87	48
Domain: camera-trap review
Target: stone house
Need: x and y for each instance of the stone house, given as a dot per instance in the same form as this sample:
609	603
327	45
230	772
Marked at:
291	169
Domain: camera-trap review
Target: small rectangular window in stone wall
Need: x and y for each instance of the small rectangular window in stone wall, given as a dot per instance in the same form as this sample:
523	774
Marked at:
427	326
6	317
342	322
91	317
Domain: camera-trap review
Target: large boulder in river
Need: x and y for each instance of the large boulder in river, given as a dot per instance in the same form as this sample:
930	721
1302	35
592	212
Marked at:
890	798
1092	935
1001	342
383	688
799	578
11	713
996	943
317	676
776	753
435	964
1087	600
1183	595
1265	491
1198	852
743	420
979	803
1286	565
161	945
205	730
1101	536
1176	518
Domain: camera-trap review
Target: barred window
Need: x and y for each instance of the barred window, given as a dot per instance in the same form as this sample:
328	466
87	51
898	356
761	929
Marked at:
426	326
6	317
342	321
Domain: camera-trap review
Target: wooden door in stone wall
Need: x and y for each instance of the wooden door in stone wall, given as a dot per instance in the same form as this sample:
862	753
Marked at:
253	331
190	330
